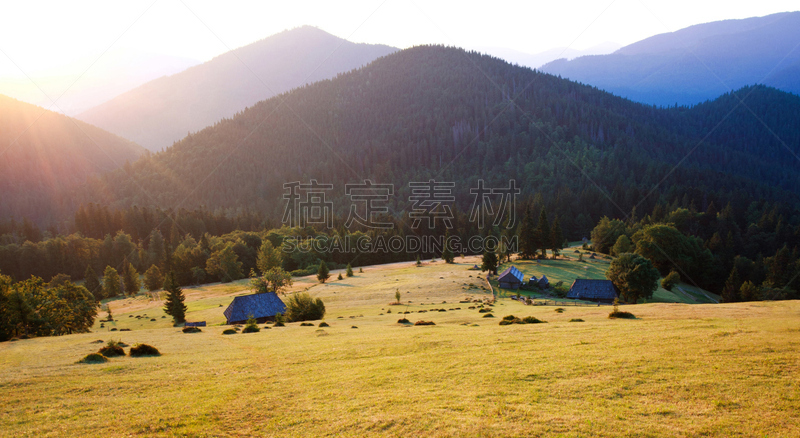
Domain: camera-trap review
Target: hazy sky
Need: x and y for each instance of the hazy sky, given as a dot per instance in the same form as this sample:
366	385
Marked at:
42	36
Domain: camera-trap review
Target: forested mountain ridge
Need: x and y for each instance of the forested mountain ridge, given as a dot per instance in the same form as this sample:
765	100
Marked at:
436	112
162	111
697	63
45	155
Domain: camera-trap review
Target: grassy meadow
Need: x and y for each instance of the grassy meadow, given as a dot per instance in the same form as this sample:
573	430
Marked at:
677	370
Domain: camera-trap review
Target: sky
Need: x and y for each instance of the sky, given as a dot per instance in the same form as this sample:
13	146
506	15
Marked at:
51	38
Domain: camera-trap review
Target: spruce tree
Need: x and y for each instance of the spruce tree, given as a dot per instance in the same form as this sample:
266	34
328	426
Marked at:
447	254
92	283
489	262
527	237
557	238
323	273
730	292
111	282
174	305
543	233
130	278
349	270
153	280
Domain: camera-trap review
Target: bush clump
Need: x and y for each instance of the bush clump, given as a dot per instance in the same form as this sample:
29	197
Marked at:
403	321
142	350
616	313
229	331
306	324
191	330
511	319
112	349
560	310
488	315
621	314
484	310
324	324
251	326
575	320
301	307
93	358
424	323
280	320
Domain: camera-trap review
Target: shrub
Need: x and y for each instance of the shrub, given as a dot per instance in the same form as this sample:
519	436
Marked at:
403	321
192	330
229	331
301	307
324	324
424	323
484	310
340	276
619	314
92	358
511	319
280	321
251	326
575	320
532	320
670	280
488	315
560	310
112	349
306	324
142	350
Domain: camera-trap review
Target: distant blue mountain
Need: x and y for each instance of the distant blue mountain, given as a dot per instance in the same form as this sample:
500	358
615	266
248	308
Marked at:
697	63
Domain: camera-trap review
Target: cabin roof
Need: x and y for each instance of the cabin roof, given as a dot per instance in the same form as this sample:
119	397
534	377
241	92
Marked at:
258	305
593	290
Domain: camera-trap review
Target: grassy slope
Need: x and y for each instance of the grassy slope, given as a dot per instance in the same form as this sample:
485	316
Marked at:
678	370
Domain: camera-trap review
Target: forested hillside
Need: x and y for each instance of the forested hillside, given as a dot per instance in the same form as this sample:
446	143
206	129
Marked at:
435	112
164	110
45	155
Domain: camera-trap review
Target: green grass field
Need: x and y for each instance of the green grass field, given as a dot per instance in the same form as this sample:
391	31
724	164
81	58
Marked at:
677	370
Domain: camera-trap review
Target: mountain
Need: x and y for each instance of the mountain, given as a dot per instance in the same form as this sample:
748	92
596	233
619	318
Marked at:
162	111
88	82
444	113
45	155
697	63
536	60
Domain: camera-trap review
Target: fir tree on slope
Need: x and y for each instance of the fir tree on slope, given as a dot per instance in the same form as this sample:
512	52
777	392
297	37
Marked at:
174	305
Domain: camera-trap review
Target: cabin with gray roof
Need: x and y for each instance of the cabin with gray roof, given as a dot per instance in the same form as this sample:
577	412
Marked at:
263	307
511	278
602	291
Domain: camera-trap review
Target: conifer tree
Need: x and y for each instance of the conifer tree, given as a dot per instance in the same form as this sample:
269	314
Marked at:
527	236
130	278
174	305
111	282
730	292
153	280
447	254
323	273
489	262
349	270
557	237
92	283
543	233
